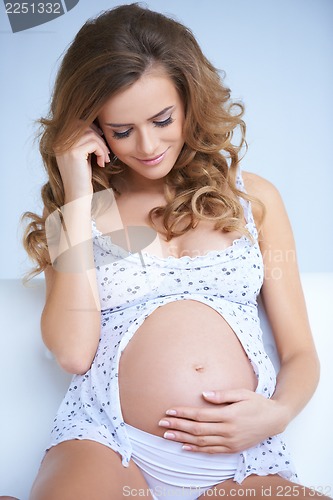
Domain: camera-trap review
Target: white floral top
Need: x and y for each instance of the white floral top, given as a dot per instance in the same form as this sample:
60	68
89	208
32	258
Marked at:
132	286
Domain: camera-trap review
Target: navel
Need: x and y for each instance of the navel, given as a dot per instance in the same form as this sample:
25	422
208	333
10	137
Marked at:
199	368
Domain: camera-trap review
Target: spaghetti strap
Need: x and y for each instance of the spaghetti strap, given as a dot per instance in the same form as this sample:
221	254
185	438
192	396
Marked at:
247	206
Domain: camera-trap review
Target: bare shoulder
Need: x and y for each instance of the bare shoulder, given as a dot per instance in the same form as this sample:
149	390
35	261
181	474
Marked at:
264	191
274	227
275	230
260	187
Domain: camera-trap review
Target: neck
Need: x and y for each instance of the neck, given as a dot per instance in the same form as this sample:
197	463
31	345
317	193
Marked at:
131	183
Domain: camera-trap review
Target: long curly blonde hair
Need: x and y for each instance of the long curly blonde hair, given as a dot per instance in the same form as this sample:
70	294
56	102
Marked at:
110	53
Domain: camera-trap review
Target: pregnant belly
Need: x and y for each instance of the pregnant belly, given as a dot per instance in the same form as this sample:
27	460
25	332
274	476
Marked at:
182	349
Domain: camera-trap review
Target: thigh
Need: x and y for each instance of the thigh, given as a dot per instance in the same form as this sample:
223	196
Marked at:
272	486
86	470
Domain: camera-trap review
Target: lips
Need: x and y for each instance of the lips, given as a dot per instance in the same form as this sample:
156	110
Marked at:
153	161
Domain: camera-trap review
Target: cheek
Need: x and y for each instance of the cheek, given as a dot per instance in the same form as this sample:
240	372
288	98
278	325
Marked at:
179	131
118	146
174	136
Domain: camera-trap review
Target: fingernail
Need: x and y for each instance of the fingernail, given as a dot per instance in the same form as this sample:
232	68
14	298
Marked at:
171	412
187	447
209	394
164	423
169	435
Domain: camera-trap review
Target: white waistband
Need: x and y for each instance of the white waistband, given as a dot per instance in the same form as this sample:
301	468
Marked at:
166	461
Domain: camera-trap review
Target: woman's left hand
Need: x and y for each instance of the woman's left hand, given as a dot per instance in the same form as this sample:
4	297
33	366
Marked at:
238	419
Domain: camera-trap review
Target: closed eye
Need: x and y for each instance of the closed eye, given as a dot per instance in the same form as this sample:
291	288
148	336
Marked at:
121	135
164	123
126	133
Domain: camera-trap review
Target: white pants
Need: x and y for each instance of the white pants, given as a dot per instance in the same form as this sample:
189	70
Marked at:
173	473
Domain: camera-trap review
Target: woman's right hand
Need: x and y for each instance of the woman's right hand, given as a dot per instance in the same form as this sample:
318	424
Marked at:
75	163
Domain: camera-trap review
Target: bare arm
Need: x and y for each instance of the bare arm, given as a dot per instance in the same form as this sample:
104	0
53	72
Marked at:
70	320
284	303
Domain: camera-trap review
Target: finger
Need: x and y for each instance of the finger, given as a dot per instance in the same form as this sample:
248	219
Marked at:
206	444
101	140
192	427
96	128
189	439
208	449
94	134
198	414
227	396
99	149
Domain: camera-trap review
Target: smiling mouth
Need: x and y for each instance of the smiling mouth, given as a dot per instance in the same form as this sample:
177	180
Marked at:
153	161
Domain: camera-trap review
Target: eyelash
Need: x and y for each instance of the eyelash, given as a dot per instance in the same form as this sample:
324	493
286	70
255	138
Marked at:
123	135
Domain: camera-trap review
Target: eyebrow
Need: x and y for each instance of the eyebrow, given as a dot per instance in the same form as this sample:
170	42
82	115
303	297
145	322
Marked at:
160	113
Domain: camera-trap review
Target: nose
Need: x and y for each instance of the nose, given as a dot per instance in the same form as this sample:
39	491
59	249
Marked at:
147	143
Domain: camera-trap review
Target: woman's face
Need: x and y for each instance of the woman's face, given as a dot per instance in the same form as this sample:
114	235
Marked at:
143	126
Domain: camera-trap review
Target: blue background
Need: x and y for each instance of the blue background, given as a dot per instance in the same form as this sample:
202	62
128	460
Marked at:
278	58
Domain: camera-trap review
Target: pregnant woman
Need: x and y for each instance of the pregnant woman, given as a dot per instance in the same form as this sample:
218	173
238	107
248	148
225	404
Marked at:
155	247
